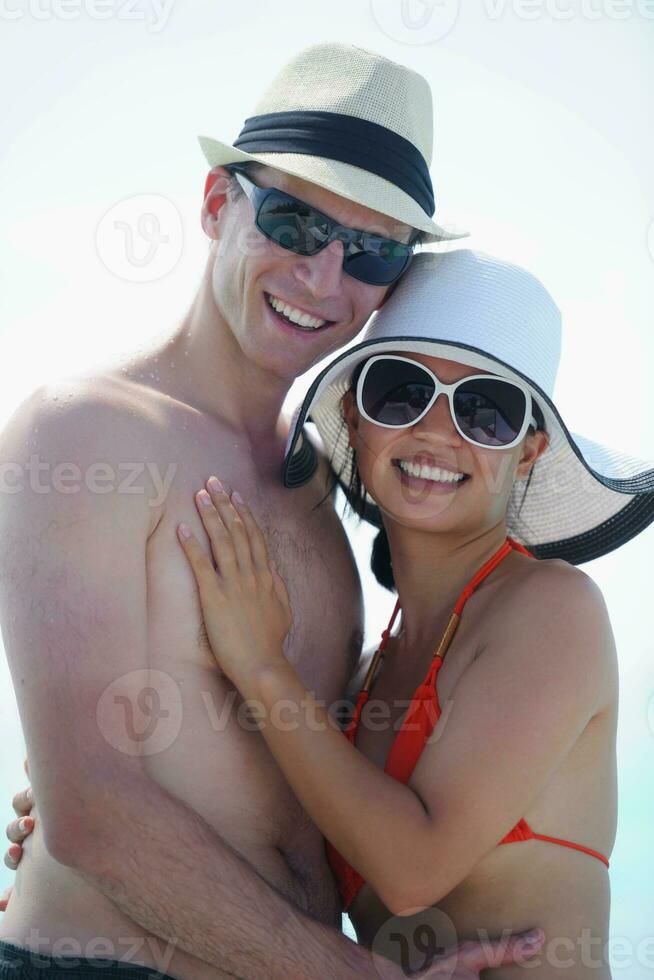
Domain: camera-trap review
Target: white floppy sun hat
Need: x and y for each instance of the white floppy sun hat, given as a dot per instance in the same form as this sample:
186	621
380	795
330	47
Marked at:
583	499
353	122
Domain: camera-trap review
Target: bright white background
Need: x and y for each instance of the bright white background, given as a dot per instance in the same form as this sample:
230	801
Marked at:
544	148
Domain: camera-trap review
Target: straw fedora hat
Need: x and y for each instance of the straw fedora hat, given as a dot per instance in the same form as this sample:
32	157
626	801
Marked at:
351	121
583	499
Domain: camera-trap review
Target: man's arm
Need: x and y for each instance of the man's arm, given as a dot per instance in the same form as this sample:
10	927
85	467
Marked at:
73	608
463	961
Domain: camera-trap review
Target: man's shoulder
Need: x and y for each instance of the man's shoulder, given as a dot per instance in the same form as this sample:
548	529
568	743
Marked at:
83	446
85	412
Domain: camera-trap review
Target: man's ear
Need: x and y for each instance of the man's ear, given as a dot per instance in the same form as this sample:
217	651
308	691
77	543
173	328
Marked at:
533	447
215	195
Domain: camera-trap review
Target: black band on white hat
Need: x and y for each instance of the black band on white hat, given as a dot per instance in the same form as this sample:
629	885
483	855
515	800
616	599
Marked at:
349	139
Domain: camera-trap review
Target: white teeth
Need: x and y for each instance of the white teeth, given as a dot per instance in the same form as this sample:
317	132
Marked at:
296	316
430	472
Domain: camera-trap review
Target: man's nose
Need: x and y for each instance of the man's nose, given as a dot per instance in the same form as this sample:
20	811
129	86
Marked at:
321	273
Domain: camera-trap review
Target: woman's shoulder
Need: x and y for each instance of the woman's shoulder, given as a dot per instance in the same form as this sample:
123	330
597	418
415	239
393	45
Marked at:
555	583
554	595
554	610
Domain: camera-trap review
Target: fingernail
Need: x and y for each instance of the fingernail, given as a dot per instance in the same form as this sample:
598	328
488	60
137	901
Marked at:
23	824
204	498
214	484
29	795
237	497
185	530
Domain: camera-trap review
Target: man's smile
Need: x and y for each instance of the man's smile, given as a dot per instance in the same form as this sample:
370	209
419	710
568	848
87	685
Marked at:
293	316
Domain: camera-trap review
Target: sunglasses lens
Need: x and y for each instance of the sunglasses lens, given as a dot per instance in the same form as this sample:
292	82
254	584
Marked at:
395	393
292	224
298	227
379	262
490	412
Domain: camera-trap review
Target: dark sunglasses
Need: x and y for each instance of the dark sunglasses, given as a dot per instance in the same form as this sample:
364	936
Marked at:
396	392
291	223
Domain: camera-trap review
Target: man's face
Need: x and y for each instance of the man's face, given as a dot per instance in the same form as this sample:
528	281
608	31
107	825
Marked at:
250	271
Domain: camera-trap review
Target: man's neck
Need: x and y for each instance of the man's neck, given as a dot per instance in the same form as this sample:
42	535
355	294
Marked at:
211	373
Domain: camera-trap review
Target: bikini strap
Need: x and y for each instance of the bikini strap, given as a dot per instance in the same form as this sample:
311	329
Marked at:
364	693
509	545
483	572
380	649
492	563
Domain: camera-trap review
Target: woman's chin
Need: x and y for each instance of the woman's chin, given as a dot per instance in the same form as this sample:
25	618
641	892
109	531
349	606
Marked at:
415	502
433	513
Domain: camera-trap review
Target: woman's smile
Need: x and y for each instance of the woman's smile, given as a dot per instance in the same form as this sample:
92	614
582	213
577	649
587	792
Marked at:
420	475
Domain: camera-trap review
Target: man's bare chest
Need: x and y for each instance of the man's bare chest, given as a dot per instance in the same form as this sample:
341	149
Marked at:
217	743
304	536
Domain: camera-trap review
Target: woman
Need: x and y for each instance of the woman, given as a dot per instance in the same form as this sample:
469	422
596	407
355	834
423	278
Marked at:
524	750
489	716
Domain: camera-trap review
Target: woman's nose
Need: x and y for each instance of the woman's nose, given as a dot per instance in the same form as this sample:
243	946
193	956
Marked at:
438	420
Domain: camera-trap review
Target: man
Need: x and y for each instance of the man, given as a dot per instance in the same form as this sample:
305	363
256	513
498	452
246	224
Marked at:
125	714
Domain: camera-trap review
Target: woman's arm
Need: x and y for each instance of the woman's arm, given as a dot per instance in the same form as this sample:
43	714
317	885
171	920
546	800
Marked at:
413	844
513	717
17	831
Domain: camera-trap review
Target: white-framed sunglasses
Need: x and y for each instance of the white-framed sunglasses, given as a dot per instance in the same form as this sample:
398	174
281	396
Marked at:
488	411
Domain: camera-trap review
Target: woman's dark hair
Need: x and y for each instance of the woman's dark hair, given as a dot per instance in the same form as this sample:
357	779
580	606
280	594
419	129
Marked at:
355	494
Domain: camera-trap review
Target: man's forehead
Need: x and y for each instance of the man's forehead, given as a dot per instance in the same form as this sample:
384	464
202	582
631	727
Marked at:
339	208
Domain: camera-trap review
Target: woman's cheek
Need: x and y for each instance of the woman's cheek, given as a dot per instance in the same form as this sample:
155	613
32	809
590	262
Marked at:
495	475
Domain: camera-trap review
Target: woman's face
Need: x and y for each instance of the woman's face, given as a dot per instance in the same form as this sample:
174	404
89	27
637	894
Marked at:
440	502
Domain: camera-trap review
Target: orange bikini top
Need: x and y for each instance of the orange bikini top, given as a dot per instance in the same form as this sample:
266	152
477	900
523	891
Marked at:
419	721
